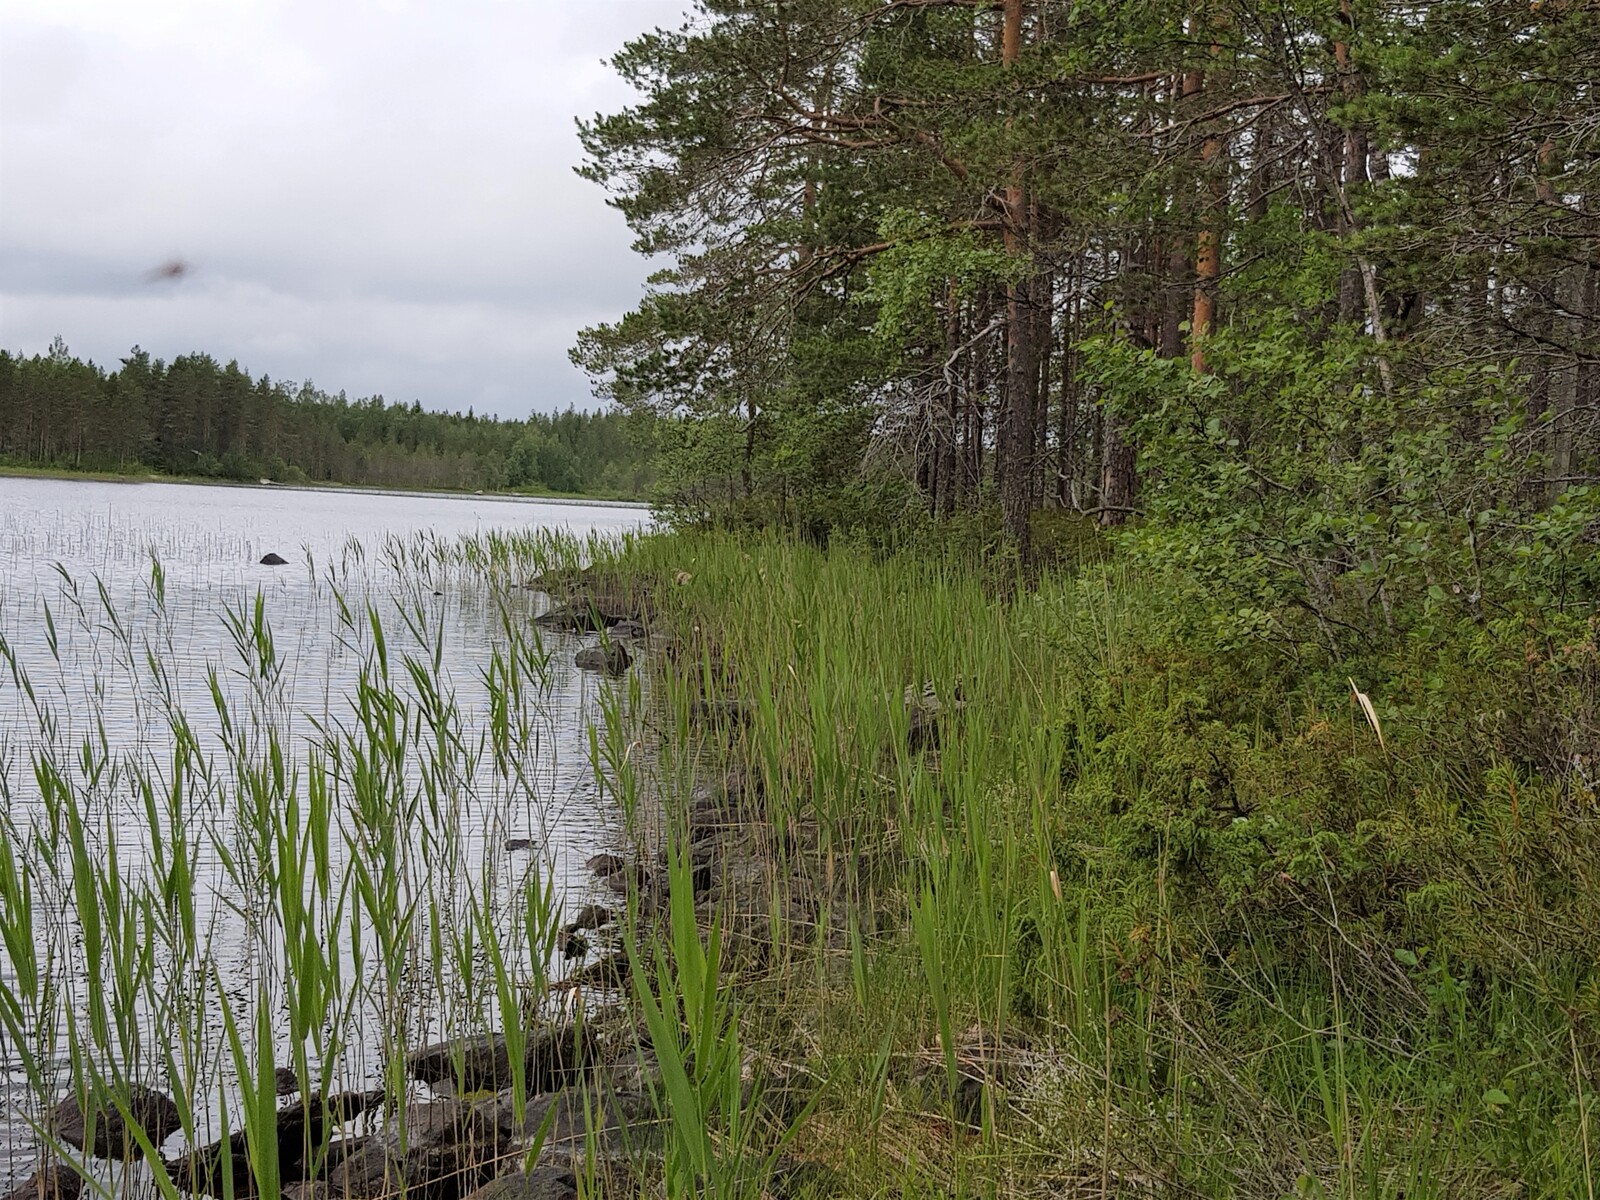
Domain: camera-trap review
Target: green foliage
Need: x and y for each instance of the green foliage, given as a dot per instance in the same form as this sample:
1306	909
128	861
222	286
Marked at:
925	260
984	253
195	417
1307	502
1228	939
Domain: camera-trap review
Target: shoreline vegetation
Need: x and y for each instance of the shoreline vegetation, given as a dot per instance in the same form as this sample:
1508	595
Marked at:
1040	890
940	881
19	471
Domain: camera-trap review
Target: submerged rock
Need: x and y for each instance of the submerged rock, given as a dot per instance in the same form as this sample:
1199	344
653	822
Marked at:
611	659
274	560
101	1130
303	1131
52	1180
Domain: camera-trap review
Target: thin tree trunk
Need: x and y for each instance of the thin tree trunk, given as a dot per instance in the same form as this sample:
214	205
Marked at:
1067	413
1208	242
945	428
1016	414
1044	307
975	417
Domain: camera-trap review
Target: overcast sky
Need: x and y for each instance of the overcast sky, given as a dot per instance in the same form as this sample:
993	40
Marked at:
377	195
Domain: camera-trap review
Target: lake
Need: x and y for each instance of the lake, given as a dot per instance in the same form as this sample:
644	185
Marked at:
249	804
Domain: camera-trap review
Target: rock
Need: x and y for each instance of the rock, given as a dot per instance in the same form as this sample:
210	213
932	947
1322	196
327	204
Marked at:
571	620
985	1066
591	916
51	1180
541	1183
566	1117
101	1131
609	973
571	943
555	1052
611	659
726	714
632	630
924	714
432	1150
303	1129
519	843
274	560
606	864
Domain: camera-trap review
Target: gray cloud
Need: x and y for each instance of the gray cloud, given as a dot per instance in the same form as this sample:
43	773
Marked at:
374	194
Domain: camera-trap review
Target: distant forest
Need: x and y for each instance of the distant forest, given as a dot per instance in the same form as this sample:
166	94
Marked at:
194	416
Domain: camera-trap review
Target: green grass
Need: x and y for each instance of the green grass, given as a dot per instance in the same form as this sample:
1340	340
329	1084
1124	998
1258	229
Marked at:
1232	945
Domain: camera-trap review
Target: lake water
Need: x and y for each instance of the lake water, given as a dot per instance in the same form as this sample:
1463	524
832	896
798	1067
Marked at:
381	702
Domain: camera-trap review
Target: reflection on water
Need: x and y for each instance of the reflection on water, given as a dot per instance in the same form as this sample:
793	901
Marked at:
288	787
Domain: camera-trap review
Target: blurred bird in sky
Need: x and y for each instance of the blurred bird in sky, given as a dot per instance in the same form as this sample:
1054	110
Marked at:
173	269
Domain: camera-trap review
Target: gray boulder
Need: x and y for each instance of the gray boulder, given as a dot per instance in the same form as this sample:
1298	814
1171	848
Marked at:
606	864
541	1183
95	1124
304	1129
52	1180
610	659
591	916
483	1064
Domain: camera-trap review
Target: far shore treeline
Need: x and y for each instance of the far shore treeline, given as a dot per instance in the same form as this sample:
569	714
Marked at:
195	416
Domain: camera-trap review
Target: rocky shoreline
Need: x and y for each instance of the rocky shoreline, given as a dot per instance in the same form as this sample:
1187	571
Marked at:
593	1087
